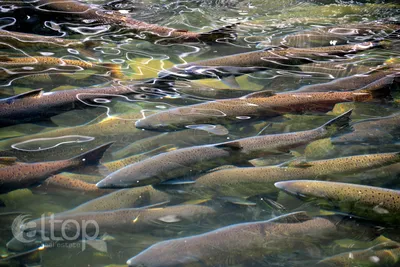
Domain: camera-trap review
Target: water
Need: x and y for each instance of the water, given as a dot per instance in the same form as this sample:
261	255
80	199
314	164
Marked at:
111	117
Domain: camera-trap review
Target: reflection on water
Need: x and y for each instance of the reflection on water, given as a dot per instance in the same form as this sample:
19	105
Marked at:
167	133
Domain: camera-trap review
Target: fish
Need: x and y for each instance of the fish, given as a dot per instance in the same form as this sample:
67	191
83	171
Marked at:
192	160
66	183
241	243
358	81
124	199
36	105
23	40
19	65
115	165
22	175
261	104
48	81
378	130
384	254
196	90
141	29
242	183
249	62
134	220
374	203
179	139
118	128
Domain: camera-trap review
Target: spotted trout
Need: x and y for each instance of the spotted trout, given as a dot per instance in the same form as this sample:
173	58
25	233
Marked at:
374	203
23	40
241	243
123	220
38	105
124	199
358	81
250	62
21	175
262	104
251	181
143	29
18	65
192	160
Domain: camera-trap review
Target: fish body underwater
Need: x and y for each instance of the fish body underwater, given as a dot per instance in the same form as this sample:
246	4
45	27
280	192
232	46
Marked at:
239	243
262	104
251	181
255	61
37	105
21	175
146	30
188	161
374	203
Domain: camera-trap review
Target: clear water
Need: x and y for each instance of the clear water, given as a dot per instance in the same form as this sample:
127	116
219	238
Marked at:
262	24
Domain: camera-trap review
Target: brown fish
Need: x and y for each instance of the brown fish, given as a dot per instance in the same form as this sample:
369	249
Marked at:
124	199
19	65
384	76
250	62
372	131
240	243
115	18
38	105
374	203
21	175
22	40
122	220
242	183
65	183
255	105
192	160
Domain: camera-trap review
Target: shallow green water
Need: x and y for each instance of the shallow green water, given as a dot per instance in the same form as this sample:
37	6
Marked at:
261	25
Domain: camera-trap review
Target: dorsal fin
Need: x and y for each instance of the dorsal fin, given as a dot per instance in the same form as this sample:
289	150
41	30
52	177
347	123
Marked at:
224	167
234	145
294	217
8	160
266	93
33	93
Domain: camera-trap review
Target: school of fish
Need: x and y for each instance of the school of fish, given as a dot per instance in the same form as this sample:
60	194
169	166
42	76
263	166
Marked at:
133	134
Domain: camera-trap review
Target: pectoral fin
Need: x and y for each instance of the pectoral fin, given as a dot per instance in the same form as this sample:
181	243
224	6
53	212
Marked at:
238	201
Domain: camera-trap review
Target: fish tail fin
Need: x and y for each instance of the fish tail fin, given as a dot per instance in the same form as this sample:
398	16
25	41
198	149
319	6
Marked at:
115	70
338	124
224	32
92	157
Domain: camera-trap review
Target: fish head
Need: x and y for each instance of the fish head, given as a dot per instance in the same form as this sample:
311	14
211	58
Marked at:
170	253
295	188
155	123
129	177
